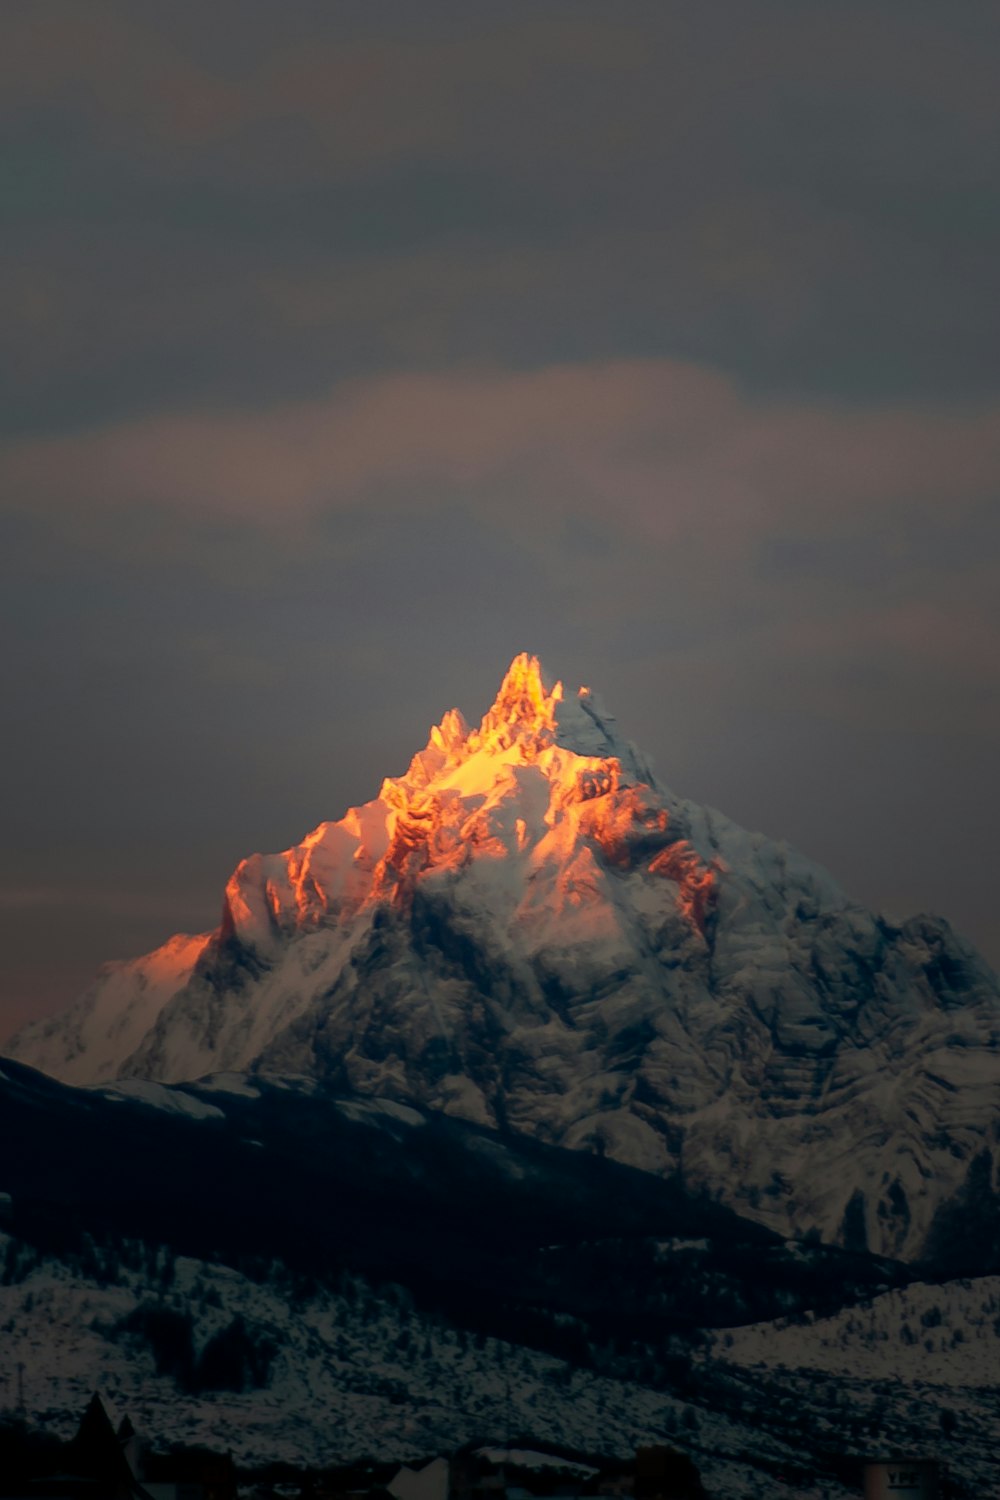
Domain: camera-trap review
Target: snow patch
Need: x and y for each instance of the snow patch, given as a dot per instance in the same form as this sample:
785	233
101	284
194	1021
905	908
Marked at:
173	1101
528	1458
378	1111
228	1083
292	1084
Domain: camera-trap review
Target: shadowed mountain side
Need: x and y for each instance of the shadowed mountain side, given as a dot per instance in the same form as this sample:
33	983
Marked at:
549	1246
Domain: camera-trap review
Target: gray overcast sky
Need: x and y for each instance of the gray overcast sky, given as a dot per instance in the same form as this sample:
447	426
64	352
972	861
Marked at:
350	349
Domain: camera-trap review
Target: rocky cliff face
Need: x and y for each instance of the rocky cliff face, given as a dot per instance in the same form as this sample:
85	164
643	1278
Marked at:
526	930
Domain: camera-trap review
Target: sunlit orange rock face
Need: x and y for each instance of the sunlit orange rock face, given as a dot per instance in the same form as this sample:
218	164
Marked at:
510	794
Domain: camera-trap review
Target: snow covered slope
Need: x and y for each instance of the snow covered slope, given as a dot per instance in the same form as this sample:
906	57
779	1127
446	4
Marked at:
526	930
948	1335
361	1372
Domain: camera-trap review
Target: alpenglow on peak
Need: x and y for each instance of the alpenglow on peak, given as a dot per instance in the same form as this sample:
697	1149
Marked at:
531	713
527	931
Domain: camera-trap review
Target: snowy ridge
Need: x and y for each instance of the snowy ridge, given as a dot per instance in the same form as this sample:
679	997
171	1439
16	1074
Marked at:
527	930
112	1016
943	1335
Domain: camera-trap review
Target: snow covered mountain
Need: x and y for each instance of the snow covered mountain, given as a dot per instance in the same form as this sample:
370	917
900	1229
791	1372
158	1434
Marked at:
527	931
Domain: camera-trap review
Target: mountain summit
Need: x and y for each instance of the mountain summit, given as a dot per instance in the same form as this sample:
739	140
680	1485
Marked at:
527	931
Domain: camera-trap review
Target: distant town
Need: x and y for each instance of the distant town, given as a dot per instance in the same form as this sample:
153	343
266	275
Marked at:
103	1461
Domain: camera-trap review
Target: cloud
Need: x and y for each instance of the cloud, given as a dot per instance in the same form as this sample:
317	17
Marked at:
848	555
248	202
662	445
586	94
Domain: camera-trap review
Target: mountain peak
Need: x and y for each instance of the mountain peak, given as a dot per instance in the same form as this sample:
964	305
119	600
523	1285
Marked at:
525	712
524	707
529	716
527	931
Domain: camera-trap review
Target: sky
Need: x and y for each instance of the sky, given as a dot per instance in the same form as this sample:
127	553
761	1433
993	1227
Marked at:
350	349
